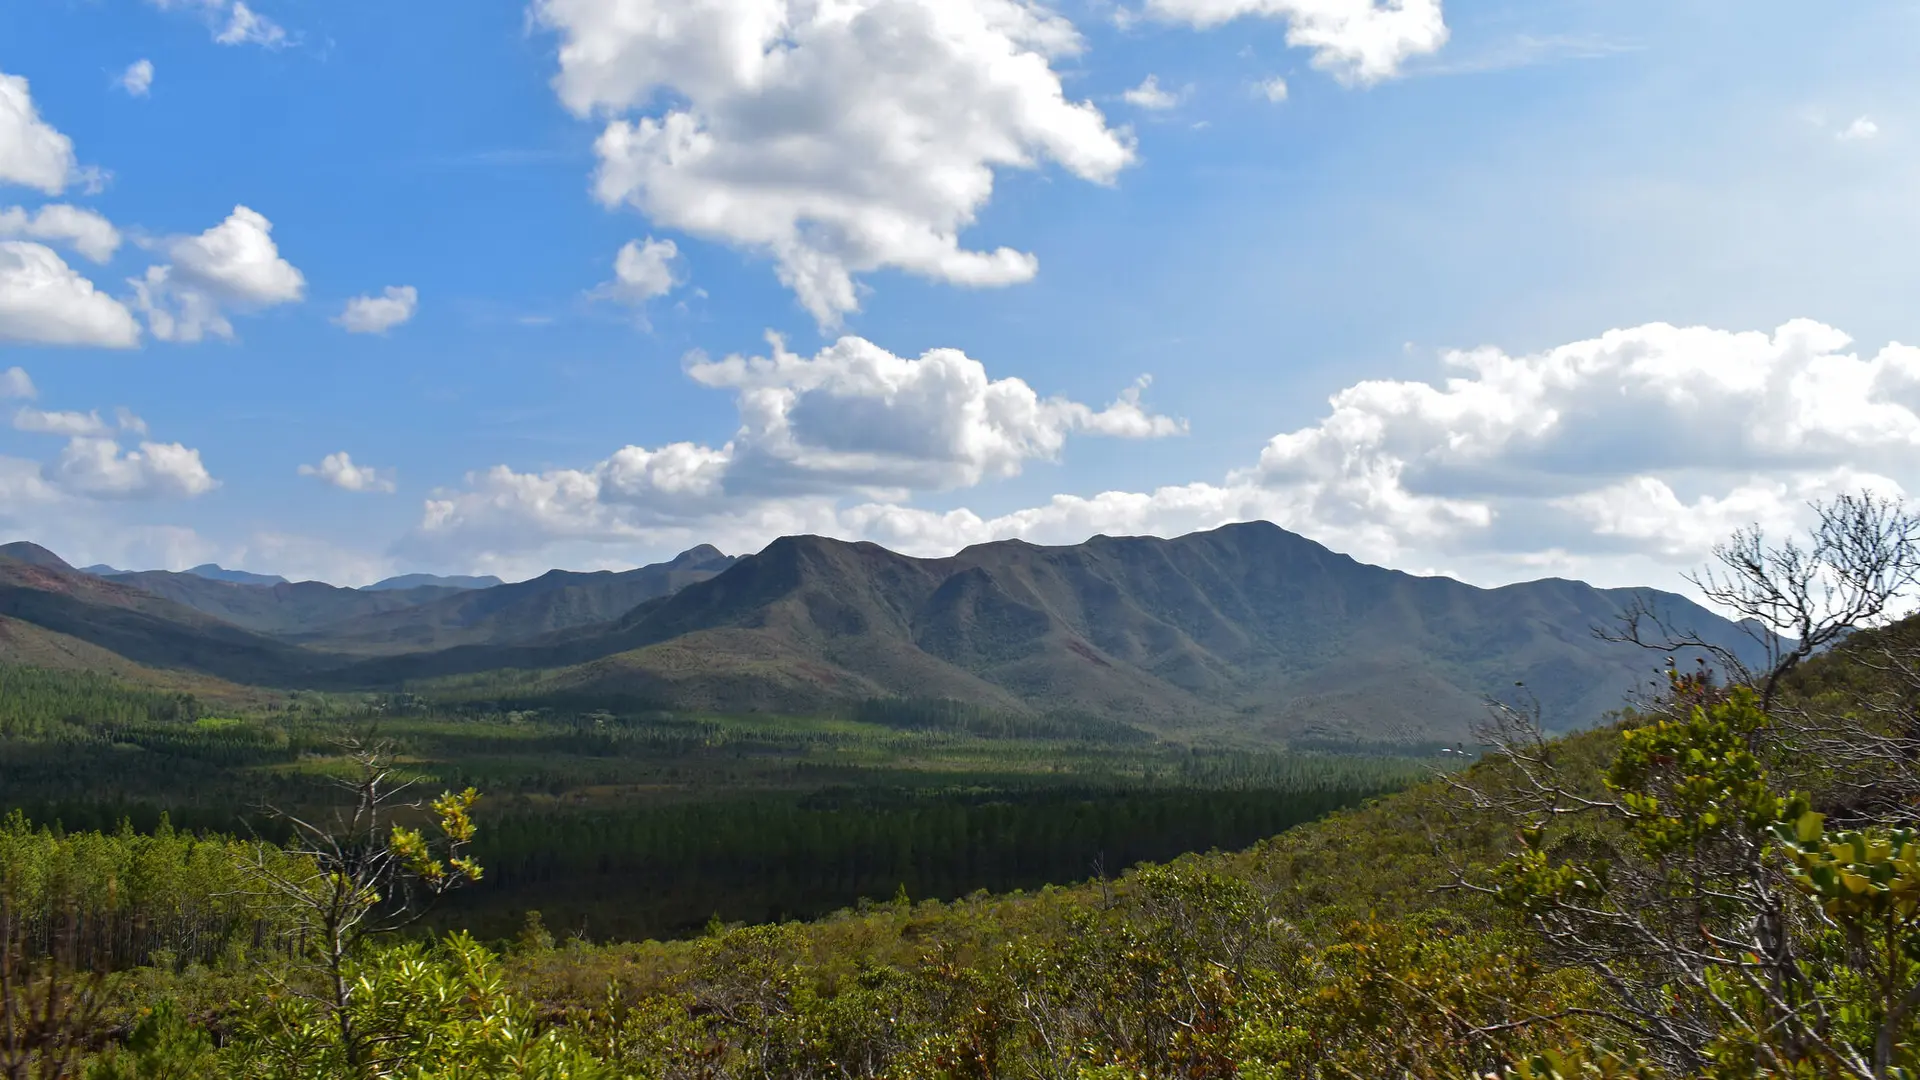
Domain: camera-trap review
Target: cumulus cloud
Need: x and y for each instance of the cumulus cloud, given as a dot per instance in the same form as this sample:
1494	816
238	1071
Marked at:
234	266
1151	95
1860	130
43	301
76	424
857	416
32	153
837	138
23	485
1647	443
82	230
1358	41
340	471
1620	458
379	314
99	468
1274	89
70	424
231	22
851	420
93	467
14	383
137	80
643	270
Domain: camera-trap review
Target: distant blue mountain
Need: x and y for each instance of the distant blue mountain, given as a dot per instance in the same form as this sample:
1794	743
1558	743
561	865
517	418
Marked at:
415	581
213	572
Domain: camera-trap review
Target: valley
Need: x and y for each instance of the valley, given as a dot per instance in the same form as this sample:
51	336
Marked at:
789	732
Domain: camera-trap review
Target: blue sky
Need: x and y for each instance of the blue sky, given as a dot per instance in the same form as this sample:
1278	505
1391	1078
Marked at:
1662	250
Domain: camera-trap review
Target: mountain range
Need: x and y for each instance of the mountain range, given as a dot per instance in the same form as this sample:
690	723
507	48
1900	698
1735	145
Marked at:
1247	630
216	572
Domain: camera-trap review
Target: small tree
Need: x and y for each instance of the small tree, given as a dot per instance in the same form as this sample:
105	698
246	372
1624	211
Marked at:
364	875
1736	934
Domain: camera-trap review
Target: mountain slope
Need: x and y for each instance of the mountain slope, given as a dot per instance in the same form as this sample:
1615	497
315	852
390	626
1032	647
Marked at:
26	644
32	555
556	601
279	609
216	572
147	629
1246	628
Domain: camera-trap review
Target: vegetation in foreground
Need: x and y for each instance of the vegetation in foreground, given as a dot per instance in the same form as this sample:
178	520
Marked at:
1724	885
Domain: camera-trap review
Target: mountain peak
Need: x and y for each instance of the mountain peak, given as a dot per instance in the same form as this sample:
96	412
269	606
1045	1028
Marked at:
699	555
415	581
216	572
32	555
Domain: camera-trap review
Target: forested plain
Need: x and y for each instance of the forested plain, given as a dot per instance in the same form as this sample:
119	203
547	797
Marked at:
638	824
1719	881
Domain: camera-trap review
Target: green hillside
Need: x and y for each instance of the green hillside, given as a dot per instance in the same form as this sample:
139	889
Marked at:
1247	633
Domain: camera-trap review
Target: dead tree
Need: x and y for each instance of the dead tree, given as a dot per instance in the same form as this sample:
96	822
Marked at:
1797	598
362	875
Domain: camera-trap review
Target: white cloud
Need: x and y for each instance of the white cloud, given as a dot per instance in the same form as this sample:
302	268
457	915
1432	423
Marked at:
22	485
1649	443
1274	89
1622	458
839	138
1646	512
1359	41
642	271
93	466
1860	130
231	22
857	416
1150	95
43	301
238	261
234	266
247	27
82	230
852	420
137	80
69	424
32	153
379	314
14	383
340	471
98	468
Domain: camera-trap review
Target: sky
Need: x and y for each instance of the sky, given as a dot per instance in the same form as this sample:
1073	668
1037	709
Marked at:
1500	289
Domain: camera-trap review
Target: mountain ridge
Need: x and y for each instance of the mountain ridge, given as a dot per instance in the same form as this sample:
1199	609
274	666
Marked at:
1248	623
1248	628
556	601
412	581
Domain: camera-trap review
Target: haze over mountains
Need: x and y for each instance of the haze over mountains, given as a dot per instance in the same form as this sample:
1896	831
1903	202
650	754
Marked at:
216	572
1247	630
